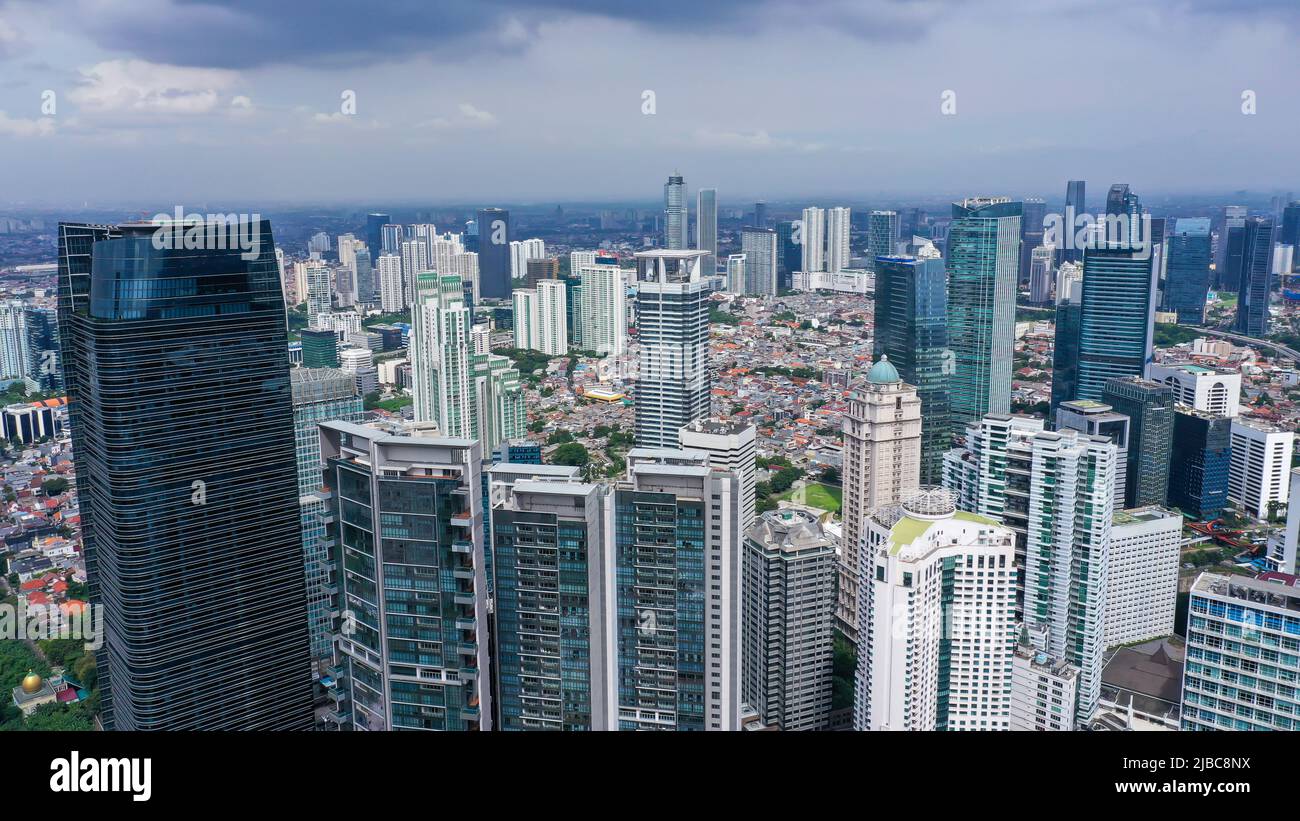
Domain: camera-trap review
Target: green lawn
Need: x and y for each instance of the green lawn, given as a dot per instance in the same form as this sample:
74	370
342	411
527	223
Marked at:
815	494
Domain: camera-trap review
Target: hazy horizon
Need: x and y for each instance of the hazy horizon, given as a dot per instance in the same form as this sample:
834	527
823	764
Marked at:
443	103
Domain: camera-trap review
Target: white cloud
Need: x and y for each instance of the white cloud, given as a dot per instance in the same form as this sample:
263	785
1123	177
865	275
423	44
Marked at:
10	38
754	140
140	86
240	101
467	116
18	127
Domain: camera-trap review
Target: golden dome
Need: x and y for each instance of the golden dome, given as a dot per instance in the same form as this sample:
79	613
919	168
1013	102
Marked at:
31	682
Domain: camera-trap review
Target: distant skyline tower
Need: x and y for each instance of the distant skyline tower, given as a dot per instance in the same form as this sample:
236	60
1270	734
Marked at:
1188	279
911	330
1031	233
183	354
494	253
1256	277
675	216
1232	235
838	226
1075	205
789	255
882	235
375	223
759	246
882	465
813	239
672	388
983	260
760	214
706	226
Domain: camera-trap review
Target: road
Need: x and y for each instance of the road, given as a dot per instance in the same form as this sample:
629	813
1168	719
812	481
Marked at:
1254	342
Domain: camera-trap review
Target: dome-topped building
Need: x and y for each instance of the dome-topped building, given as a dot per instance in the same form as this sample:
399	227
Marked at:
883	373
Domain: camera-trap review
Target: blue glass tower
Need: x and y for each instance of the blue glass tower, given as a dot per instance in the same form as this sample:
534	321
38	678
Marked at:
911	324
1187	279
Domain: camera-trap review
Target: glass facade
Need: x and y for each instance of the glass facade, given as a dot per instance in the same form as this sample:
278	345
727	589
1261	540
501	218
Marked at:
1256	277
544	611
1199	462
1116	319
1150	409
409	547
983	265
182	422
1187	280
911	324
659	579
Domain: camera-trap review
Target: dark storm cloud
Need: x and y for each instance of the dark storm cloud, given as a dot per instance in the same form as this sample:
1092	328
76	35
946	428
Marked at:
249	33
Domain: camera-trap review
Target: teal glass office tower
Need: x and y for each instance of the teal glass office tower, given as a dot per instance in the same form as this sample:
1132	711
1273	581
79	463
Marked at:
177	368
1117	317
1187	280
983	263
911	324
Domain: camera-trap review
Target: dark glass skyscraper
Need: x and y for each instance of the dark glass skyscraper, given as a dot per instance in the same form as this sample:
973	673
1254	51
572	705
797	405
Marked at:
1290	225
1188	278
912	330
789	256
1199	463
1256	277
1065	350
375	234
494	253
1075	204
1117	317
182	422
1150	409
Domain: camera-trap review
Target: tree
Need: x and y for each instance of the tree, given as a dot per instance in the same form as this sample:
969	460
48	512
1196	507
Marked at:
55	486
570	453
559	437
831	475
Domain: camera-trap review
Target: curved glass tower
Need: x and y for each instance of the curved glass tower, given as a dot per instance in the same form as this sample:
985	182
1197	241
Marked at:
183	429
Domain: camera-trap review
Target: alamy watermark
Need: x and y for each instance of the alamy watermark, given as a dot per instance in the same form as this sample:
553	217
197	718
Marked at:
209	232
1073	231
40	622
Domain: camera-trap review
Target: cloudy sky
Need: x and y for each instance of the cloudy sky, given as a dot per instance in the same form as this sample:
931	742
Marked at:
121	101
